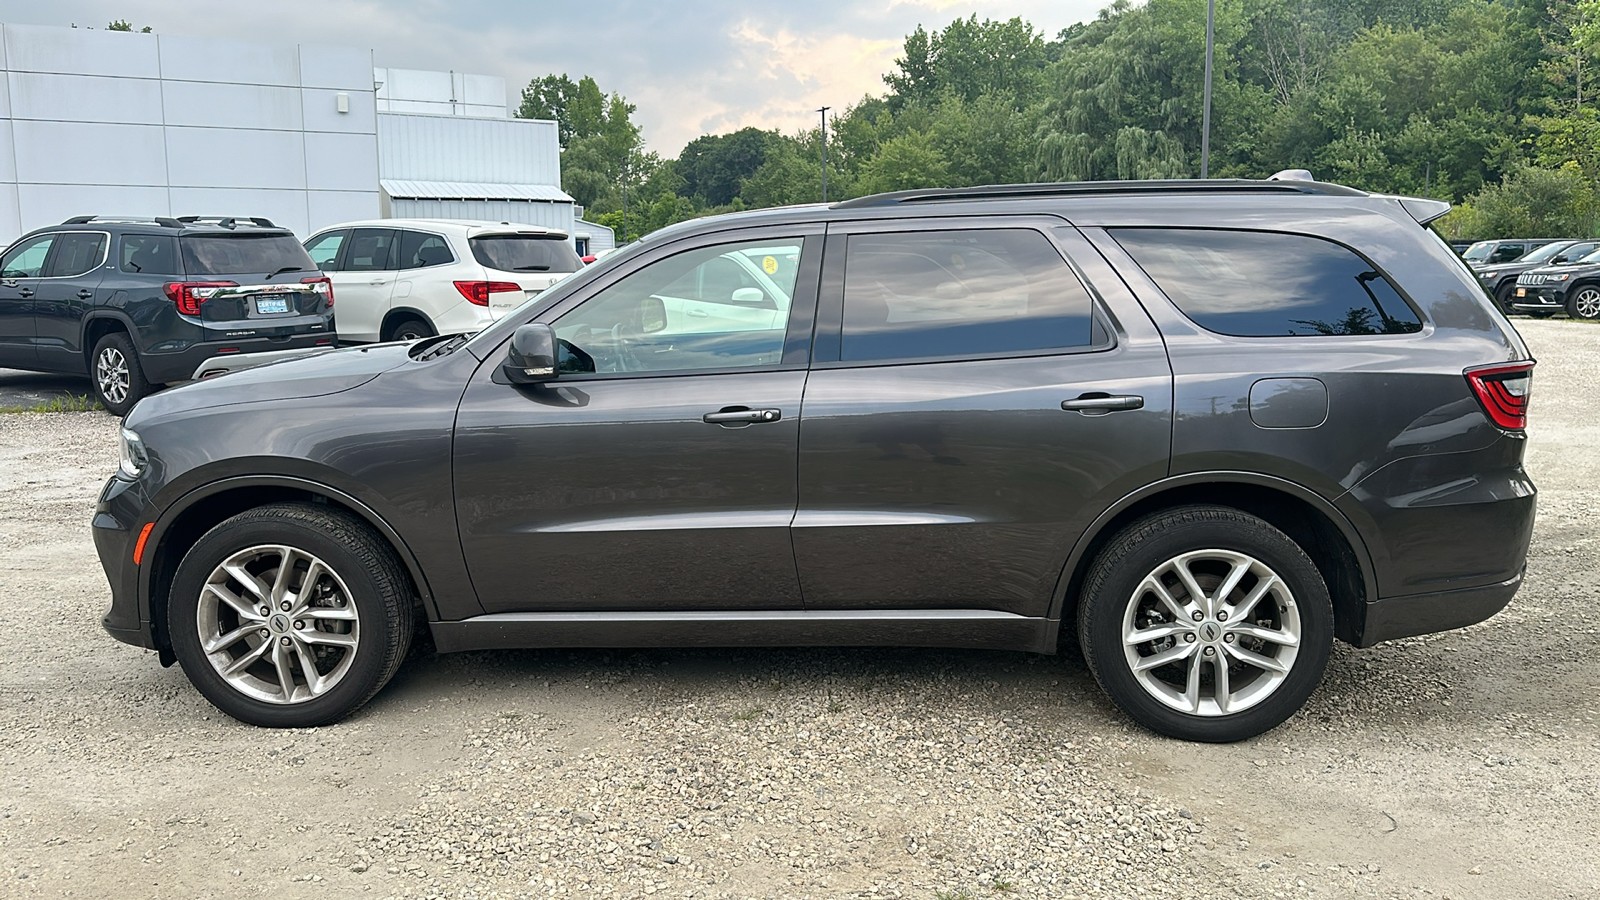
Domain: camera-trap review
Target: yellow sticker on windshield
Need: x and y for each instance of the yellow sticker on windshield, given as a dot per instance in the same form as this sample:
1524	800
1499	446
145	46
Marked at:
769	265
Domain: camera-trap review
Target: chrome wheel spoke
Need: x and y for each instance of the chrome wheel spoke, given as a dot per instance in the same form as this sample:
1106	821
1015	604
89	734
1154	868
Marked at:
1241	568
224	641
280	661
1222	690
246	661
245	609
1171	655
1191	690
1250	657
326	638
1154	586
1247	605
1157	633
251	582
328	613
1197	596
1270	635
280	583
315	683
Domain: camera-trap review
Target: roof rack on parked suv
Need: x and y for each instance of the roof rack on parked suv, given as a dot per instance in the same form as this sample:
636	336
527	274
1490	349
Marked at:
163	221
227	221
1102	188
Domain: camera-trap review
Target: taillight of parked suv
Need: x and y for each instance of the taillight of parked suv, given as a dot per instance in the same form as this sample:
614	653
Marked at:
1502	389
188	295
323	285
477	292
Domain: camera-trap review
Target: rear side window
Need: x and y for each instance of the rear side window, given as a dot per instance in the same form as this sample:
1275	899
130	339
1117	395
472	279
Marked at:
77	253
245	254
419	249
960	293
1265	284
148	254
525	253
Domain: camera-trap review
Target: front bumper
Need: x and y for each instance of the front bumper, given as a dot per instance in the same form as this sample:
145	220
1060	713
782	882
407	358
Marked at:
1539	299
117	521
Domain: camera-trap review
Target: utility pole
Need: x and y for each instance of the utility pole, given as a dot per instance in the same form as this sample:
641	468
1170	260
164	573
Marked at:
824	113
1205	115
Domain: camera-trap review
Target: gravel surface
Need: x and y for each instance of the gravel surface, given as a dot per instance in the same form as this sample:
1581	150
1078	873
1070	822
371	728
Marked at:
1459	765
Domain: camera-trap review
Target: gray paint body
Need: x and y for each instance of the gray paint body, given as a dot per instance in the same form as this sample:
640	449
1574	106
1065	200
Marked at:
944	502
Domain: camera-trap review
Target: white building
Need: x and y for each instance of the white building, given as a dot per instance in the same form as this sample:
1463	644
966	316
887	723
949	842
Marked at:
113	123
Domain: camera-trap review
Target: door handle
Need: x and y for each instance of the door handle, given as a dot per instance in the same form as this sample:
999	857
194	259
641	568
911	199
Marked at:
698	313
26	292
738	415
86	293
1096	402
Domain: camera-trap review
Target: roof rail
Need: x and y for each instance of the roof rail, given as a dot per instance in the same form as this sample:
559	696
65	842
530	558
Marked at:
227	221
163	221
1102	189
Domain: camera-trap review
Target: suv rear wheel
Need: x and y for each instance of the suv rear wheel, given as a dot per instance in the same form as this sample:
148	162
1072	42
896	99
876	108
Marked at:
290	615
118	377
410	329
1206	623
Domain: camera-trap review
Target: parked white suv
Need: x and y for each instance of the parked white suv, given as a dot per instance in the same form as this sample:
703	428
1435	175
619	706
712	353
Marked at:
401	279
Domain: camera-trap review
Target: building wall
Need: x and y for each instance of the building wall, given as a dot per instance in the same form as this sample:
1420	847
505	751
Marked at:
111	123
484	151
440	93
522	212
599	236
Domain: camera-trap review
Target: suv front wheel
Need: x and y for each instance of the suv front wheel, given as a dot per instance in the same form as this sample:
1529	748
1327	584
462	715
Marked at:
1206	623
1584	302
118	377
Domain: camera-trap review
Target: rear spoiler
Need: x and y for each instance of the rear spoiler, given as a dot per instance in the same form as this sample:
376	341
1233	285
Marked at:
1422	209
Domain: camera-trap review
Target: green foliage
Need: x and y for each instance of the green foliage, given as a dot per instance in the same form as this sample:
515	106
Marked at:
1535	202
125	25
908	161
713	167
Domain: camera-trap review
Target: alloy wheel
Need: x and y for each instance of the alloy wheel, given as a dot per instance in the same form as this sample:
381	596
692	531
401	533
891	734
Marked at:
111	374
278	624
1586	305
1211	632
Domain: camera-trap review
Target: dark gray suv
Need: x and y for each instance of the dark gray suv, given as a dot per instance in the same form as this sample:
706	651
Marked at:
1201	428
137	303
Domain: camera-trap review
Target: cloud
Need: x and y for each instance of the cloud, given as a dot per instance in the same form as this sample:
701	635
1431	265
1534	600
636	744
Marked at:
692	66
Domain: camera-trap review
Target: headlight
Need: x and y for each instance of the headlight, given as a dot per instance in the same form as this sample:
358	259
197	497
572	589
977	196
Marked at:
134	459
1487	275
1562	277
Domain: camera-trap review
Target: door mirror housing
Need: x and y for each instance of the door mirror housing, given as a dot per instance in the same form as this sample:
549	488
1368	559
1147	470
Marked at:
749	295
532	357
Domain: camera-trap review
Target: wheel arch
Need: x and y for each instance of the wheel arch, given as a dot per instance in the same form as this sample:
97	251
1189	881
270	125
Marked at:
399	313
196	512
1325	533
99	323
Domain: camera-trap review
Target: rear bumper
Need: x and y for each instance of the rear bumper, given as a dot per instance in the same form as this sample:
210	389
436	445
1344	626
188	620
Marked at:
186	364
1399	617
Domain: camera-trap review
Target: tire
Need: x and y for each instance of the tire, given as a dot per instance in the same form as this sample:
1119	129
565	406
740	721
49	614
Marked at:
1584	302
1502	298
117	375
361	615
410	329
1213	545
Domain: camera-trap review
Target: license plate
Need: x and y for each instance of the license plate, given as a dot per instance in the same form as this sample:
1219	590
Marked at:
269	305
1522	292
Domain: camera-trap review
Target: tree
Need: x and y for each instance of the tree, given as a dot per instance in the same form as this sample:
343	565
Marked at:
967	59
908	161
1532	201
125	25
714	167
603	150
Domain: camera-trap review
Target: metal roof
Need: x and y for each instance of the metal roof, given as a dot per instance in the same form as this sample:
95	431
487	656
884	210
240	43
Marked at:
466	190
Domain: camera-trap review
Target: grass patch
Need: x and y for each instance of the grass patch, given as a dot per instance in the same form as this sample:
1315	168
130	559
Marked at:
69	403
957	894
750	715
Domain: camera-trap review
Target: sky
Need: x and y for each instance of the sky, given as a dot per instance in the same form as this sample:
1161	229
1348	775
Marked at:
692	67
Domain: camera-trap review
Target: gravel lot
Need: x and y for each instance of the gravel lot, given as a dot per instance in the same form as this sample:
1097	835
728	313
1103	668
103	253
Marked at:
1459	765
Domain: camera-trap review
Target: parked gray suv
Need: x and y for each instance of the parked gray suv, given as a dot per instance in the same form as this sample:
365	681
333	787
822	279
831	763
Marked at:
1203	428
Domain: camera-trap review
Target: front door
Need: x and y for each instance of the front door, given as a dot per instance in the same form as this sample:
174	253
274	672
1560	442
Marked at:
658	471
971	410
20	269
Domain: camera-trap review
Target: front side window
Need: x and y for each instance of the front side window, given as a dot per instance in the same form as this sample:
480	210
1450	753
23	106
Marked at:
26	260
960	293
77	253
1266	284
643	324
370	250
419	250
148	254
324	249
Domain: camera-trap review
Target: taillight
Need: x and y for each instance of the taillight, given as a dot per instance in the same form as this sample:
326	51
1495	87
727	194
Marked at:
323	286
478	291
188	295
1502	389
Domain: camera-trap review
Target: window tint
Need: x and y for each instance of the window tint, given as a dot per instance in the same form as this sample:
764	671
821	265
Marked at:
148	254
644	324
245	254
370	250
525	253
324	249
77	253
960	293
1260	284
26	260
419	249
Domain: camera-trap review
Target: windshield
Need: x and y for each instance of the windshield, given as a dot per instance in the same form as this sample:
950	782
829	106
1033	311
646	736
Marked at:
525	253
1544	253
252	254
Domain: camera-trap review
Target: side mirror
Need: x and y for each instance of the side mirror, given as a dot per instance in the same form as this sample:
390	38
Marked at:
748	295
652	315
532	357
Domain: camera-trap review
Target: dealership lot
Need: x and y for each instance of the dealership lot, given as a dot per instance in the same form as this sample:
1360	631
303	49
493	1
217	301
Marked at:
1457	765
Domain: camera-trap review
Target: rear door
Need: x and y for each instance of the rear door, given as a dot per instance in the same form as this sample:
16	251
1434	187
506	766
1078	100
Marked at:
364	284
20	270
972	407
64	297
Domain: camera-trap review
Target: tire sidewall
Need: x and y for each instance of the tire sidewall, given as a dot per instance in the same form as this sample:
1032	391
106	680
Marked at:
1118	574
421	328
138	387
367	671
